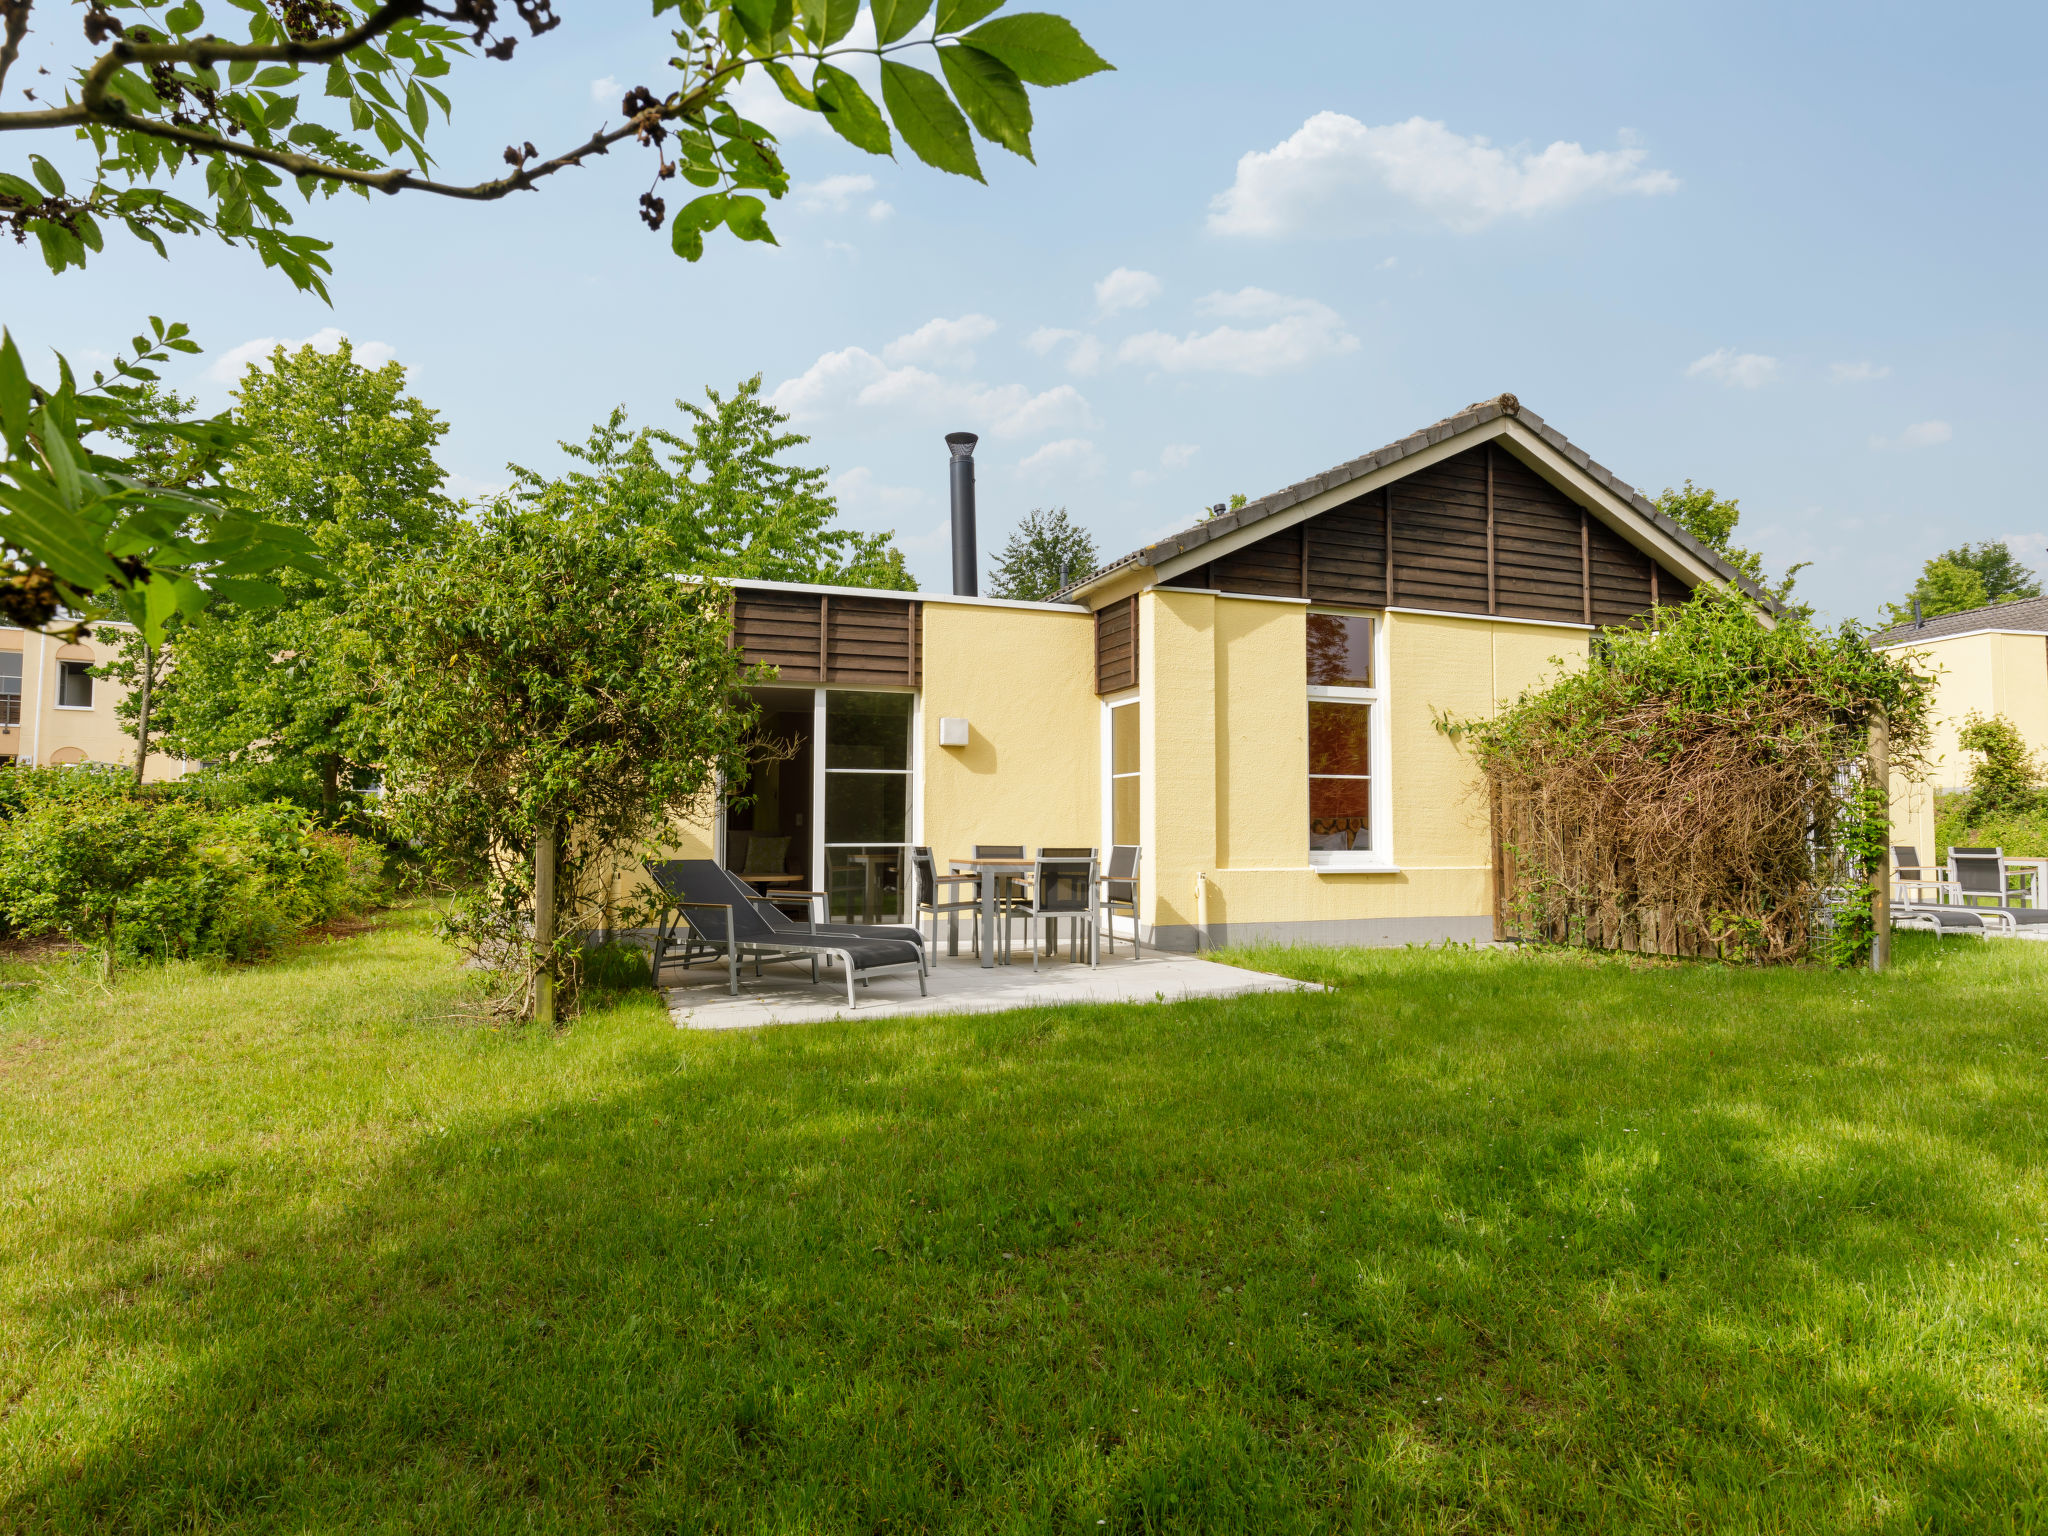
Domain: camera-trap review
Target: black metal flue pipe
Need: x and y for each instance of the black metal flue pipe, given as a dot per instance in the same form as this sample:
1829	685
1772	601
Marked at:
966	567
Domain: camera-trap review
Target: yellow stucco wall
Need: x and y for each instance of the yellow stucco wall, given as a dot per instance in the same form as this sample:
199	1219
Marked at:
1989	674
70	735
1225	756
1030	772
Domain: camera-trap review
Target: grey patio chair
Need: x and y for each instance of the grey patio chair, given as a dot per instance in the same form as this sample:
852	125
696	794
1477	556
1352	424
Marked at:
1909	873
1062	888
1120	890
1978	879
925	868
698	892
1009	888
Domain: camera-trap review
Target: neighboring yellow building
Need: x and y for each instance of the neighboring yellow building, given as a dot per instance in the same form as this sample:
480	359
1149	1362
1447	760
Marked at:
1253	702
1986	661
55	713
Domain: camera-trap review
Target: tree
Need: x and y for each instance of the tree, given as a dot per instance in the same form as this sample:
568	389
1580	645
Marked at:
728	504
342	452
2005	777
88	532
1046	553
1711	519
161	95
550	696
1971	576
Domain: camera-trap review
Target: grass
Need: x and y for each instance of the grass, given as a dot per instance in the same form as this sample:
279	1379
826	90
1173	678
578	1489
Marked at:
1478	1242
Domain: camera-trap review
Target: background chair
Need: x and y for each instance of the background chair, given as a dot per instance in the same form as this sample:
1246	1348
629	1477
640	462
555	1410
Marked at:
1009	888
1062	888
925	869
1909	874
1120	891
1979	881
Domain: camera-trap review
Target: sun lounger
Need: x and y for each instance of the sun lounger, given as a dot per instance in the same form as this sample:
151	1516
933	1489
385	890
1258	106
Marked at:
770	909
706	907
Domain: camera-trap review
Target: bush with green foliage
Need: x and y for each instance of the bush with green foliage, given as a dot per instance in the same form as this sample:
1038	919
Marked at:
162	874
1701	787
2006	804
1047	551
1967	577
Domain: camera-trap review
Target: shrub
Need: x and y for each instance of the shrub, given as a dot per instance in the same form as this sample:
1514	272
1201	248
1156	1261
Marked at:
159	876
1700	787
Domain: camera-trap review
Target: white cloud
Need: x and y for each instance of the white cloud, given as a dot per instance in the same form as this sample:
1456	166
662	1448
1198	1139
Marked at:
855	378
1070	457
1177	455
1388	265
2030	547
858	490
1858	373
1047	337
1738	370
1922	434
942	343
1335	175
841	248
834	194
227	368
1126	289
1084	355
468	488
1301	332
879	210
606	92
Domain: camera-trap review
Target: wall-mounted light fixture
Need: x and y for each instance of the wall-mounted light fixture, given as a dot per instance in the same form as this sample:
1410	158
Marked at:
952	731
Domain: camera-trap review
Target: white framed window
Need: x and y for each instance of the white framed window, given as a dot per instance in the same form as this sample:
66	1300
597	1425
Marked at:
10	687
1120	824
74	685
1347	741
865	790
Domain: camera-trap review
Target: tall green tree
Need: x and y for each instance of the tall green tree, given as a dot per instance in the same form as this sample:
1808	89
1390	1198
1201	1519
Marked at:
725	495
341	95
343	453
1711	518
551	698
1046	552
1969	576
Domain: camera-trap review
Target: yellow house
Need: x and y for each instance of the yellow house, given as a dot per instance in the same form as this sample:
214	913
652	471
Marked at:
55	713
1252	702
1987	661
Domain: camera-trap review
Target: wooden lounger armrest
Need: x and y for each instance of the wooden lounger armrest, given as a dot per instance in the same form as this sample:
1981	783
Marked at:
709	906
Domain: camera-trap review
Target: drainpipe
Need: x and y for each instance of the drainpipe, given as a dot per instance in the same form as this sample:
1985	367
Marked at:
966	566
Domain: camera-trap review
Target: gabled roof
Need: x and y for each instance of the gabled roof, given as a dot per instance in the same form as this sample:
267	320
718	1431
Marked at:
1625	499
2027	616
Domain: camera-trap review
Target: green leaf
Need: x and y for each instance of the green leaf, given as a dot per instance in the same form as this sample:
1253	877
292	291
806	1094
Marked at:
159	602
1042	49
686	242
57	453
15	396
46	173
14	186
757	19
895	18
929	122
276	75
185	19
840	15
991	95
955	14
851	111
416	107
792	88
240	71
340	82
747	218
247	594
702	213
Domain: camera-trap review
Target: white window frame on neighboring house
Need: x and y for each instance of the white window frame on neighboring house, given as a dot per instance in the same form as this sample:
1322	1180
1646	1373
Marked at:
91	691
1122	927
1379	801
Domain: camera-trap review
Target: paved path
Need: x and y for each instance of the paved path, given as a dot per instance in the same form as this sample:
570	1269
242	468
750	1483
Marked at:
784	994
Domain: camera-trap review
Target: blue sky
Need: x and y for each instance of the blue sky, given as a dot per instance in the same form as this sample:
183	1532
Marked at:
1793	253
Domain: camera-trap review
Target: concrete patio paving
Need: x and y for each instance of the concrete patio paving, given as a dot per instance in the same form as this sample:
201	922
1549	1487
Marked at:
784	994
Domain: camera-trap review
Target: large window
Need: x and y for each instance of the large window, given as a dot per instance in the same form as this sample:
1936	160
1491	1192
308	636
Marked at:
74	685
1345	734
1123	773
867	802
10	687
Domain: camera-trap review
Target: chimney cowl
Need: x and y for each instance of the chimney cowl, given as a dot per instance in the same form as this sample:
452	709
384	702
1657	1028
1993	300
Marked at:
960	471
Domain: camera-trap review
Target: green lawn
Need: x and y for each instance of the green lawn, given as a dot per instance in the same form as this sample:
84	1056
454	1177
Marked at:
1480	1242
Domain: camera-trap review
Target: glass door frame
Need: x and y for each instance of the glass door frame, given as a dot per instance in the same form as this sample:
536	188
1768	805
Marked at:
1128	699
913	774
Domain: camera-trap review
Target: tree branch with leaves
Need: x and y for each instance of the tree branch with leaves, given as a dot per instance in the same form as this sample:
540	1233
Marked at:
163	95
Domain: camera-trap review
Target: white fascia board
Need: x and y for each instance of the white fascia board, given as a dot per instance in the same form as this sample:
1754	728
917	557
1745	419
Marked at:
888	592
1961	634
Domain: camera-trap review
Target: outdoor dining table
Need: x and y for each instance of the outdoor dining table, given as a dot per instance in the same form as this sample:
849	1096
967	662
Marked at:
992	872
2036	871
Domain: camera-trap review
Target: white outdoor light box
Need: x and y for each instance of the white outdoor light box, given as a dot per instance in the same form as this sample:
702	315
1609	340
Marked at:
952	731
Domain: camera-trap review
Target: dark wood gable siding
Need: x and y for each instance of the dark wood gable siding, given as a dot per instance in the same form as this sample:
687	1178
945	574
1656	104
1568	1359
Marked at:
826	637
1116	646
1478	533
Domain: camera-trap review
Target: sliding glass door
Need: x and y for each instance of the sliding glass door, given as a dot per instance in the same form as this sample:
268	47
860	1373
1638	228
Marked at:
866	792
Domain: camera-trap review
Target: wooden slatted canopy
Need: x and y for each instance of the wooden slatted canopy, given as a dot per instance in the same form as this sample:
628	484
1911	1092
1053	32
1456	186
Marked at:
830	637
1479	532
1116	646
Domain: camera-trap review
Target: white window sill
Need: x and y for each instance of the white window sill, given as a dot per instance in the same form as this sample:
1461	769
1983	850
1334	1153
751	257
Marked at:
1352	866
76	709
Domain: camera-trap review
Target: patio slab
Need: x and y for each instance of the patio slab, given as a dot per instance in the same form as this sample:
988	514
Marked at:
784	994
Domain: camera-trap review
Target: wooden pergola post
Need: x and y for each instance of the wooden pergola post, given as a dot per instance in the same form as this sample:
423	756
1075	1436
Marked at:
1880	769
